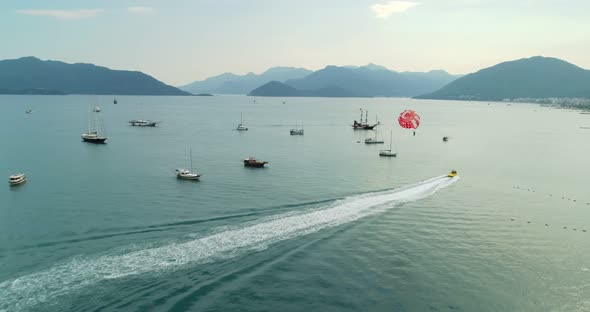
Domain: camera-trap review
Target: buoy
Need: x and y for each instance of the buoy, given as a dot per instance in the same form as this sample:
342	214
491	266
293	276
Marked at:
546	224
528	222
511	219
565	227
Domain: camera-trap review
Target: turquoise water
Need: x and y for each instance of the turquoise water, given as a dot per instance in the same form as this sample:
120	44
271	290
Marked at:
328	226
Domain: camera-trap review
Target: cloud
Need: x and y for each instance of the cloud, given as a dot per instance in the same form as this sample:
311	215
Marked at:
64	14
142	10
391	7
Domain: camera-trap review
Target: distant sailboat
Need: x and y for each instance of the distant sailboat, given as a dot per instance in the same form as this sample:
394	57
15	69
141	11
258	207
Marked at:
184	174
374	140
296	131
388	152
360	125
241	126
95	131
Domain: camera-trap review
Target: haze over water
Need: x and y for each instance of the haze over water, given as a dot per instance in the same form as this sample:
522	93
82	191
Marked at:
328	226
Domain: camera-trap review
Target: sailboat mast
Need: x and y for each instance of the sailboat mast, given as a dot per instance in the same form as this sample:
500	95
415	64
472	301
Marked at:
191	153
390	139
366	117
361	120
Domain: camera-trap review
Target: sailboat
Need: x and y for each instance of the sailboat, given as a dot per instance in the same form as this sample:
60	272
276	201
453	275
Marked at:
95	131
184	174
240	125
374	140
363	125
388	152
296	131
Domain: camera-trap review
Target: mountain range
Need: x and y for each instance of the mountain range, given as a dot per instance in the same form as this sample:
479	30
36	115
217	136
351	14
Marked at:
364	81
536	77
30	75
229	83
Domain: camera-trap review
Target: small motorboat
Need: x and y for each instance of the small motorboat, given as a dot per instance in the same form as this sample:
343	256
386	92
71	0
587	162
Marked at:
96	109
184	174
93	137
252	162
143	123
115	101
17	179
445	138
452	174
29	111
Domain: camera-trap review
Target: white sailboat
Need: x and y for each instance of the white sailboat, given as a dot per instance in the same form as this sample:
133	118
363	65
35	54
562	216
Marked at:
241	125
185	174
388	152
374	140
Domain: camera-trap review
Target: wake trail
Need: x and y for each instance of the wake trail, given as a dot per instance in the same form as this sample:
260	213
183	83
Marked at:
29	290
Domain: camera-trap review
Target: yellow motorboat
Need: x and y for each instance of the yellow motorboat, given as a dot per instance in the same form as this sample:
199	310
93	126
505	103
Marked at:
452	174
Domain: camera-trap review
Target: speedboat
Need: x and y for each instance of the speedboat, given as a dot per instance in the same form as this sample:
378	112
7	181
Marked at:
241	127
93	137
452	174
96	109
29	111
445	138
252	162
17	179
296	131
186	174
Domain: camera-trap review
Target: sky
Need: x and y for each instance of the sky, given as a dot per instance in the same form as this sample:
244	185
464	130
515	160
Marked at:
180	41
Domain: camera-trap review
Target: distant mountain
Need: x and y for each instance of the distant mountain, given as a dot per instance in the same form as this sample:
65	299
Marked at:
373	80
30	75
277	88
368	81
229	83
535	77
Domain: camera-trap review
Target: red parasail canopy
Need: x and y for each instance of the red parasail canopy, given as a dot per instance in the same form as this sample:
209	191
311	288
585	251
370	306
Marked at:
409	119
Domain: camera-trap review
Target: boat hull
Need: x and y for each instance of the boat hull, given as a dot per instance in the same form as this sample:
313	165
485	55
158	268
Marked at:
94	140
387	154
256	165
193	178
17	182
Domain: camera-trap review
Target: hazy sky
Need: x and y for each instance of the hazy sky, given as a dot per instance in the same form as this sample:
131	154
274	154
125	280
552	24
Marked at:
179	41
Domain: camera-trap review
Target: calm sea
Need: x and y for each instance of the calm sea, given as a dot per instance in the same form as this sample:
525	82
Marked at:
328	226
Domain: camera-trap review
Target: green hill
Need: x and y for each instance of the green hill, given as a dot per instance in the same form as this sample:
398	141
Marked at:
535	77
30	75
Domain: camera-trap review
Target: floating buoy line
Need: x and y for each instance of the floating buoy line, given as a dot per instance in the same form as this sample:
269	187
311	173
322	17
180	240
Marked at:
527	189
547	225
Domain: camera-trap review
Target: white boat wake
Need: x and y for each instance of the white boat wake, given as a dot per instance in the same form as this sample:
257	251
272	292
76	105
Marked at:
45	286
